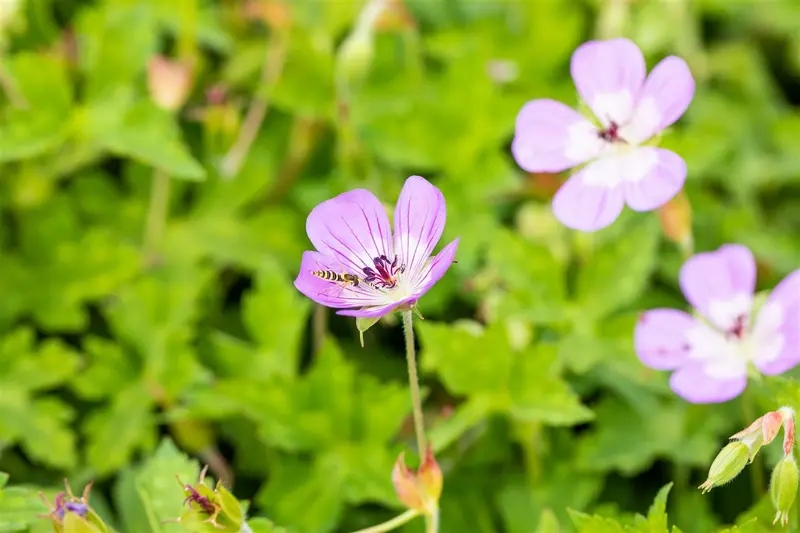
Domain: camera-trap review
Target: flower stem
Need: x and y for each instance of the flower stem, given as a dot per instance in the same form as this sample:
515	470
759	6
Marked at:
156	211
413	381
395	522
271	70
756	472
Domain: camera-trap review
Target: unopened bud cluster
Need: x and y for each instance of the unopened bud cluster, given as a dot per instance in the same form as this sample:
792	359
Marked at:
742	450
204	505
70	514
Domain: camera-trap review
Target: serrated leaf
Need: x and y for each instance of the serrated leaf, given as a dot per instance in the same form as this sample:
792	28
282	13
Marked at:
275	314
42	124
150	136
467	358
539	394
618	272
116	431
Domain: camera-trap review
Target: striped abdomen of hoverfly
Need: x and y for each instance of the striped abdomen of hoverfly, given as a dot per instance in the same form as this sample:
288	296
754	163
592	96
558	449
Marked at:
344	277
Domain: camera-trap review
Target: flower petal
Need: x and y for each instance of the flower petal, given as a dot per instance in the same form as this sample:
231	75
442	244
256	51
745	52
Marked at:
352	227
586	205
696	383
329	293
776	334
666	95
660	338
419	219
434	270
377	311
660	184
609	75
720	284
552	137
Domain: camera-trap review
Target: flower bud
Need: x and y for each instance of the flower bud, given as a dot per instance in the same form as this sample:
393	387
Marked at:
355	56
761	432
217	507
70	514
169	82
783	488
676	220
419	490
727	465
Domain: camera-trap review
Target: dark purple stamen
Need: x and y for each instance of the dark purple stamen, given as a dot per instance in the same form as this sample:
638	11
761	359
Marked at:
611	134
384	275
737	330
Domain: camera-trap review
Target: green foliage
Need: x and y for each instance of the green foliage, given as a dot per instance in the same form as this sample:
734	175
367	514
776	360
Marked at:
131	355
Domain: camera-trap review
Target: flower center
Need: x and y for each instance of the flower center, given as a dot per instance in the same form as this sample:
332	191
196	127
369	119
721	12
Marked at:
738	329
385	273
611	134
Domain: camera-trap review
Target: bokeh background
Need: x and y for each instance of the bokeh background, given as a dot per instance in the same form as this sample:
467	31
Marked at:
153	220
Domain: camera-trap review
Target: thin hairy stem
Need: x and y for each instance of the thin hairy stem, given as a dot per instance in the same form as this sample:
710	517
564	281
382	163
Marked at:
156	211
391	524
274	60
413	381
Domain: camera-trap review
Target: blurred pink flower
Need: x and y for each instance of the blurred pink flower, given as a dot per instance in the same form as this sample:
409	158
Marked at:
710	355
632	108
357	263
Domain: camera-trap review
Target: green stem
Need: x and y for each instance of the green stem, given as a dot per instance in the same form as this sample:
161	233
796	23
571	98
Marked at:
318	328
756	472
391	524
274	60
432	522
413	380
156	211
613	19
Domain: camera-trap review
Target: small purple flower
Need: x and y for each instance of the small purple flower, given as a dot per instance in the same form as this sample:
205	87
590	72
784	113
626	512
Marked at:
631	108
710	355
359	267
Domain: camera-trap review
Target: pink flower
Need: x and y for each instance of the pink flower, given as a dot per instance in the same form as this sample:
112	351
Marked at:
359	267
552	137
710	355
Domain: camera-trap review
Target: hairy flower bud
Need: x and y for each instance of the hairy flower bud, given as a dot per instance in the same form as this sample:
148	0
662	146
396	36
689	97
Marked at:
169	82
218	507
727	465
783	488
70	514
419	490
761	432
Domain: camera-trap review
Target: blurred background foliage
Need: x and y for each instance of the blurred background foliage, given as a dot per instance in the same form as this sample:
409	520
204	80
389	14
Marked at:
148	251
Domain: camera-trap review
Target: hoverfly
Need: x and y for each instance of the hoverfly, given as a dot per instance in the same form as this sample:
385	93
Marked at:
342	280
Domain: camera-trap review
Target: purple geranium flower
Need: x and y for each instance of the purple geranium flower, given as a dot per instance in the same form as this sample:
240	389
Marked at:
711	354
552	137
357	263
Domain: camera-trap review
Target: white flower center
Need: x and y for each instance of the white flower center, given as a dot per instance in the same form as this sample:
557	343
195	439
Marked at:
726	354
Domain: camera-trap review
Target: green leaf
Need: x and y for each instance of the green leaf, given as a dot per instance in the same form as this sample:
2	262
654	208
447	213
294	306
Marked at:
533	277
275	313
539	394
458	353
657	516
43	124
115	432
150	136
617	273
263	525
294	483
